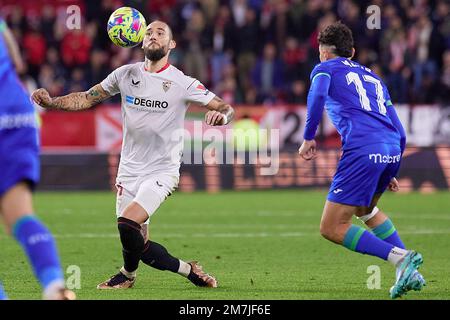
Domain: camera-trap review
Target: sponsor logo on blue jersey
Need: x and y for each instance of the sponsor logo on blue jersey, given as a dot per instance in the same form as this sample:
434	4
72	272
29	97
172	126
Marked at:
20	120
384	158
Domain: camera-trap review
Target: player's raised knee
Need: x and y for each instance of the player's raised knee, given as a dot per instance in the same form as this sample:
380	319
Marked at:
135	212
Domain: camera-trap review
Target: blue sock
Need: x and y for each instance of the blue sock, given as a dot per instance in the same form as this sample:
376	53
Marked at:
387	232
3	295
362	241
39	246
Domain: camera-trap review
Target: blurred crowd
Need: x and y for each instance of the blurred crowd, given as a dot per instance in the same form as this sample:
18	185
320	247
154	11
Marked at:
246	51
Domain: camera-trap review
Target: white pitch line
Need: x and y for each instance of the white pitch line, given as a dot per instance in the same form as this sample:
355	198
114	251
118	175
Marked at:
233	226
238	234
445	216
193	235
227	234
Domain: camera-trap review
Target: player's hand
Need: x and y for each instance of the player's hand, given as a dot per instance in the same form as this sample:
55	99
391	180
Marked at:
393	185
42	98
214	118
308	149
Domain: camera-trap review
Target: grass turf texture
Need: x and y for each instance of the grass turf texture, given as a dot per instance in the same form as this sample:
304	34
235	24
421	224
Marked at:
259	245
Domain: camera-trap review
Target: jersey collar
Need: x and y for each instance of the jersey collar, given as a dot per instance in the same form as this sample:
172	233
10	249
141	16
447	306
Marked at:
160	70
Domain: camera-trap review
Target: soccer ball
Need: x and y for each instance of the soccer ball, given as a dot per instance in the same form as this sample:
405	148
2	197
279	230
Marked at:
126	27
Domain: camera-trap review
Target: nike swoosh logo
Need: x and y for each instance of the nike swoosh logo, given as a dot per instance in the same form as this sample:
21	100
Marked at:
158	184
135	83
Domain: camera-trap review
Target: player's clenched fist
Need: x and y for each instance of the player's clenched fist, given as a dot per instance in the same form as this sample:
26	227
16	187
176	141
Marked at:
42	98
308	149
393	185
215	118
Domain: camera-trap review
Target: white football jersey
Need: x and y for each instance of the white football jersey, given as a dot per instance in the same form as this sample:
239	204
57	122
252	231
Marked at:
153	110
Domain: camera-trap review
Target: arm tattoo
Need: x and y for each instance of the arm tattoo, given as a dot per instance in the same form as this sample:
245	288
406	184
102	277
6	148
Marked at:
95	96
79	100
71	102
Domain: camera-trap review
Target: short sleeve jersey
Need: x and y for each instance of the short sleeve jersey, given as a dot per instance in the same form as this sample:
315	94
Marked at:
154	105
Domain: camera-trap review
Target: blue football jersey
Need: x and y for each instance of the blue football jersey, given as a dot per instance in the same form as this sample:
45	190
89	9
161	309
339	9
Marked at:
14	99
19	141
356	103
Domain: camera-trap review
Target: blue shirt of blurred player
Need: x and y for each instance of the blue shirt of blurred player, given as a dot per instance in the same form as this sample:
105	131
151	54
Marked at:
19	149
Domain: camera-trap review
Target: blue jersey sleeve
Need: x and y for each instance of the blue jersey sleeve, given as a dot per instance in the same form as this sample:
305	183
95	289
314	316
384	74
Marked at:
397	123
319	69
320	84
394	118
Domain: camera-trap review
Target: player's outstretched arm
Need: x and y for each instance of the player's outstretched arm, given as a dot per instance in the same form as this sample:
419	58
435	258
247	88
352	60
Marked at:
220	113
72	102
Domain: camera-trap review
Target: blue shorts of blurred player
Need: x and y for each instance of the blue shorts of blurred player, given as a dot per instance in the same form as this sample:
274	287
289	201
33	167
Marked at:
19	156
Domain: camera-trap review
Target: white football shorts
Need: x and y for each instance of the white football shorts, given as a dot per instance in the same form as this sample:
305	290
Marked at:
149	192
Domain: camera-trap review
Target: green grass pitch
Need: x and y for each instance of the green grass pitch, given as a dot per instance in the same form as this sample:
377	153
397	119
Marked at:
259	245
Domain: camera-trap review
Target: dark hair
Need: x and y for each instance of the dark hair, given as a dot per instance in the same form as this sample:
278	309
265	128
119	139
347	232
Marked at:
340	36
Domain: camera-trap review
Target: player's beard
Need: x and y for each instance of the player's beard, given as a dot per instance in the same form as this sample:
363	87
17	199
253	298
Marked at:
155	54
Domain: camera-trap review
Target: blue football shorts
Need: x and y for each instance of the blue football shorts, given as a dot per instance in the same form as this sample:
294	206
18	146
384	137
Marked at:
364	172
19	157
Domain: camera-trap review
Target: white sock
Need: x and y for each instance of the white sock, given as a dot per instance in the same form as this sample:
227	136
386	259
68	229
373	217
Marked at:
51	291
184	269
127	274
396	255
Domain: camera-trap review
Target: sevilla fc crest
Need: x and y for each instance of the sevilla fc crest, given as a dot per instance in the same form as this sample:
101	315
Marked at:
166	85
